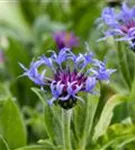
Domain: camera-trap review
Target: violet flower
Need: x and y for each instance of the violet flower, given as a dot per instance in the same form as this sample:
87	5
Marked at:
69	75
65	39
120	24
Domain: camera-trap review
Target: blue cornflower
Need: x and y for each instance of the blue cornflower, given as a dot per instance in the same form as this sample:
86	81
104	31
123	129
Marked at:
120	24
65	39
69	75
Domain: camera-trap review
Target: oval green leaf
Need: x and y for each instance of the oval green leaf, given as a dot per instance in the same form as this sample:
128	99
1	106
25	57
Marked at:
11	124
107	114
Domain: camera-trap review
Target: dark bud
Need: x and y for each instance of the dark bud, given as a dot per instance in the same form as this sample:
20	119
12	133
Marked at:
113	3
68	104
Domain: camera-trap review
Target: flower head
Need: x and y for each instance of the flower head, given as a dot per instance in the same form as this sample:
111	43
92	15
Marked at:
121	24
68	75
65	39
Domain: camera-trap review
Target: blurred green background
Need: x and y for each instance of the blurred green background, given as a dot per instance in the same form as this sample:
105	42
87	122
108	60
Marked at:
26	29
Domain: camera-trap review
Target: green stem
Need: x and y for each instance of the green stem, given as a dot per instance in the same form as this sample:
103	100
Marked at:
66	118
131	62
123	64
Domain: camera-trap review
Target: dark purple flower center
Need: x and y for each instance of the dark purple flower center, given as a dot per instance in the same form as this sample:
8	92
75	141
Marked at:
75	80
70	77
130	24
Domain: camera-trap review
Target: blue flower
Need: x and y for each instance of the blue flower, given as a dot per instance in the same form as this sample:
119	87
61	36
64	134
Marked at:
65	39
67	81
120	24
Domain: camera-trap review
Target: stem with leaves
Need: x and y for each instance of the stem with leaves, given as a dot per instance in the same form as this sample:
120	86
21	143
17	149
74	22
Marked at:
66	119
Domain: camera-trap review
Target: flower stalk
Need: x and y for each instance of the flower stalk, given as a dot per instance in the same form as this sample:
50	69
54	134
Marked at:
66	122
85	132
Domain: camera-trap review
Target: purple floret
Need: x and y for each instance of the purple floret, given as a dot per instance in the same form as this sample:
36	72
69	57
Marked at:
65	39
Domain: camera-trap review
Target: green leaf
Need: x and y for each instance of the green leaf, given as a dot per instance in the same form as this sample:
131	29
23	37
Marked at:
131	103
33	147
11	124
106	115
38	93
16	53
3	144
132	93
5	90
125	142
123	65
83	119
118	135
131	62
47	143
115	142
35	121
84	21
53	117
